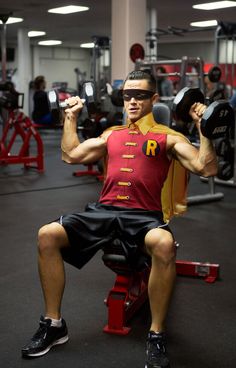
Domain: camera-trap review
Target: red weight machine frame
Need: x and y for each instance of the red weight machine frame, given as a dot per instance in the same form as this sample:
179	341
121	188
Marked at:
18	124
130	291
90	171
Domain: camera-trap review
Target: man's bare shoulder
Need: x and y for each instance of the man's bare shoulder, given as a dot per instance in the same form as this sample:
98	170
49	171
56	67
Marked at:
172	139
109	130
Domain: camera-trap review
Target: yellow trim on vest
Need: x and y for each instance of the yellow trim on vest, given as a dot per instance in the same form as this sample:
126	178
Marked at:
131	144
128	156
122	197
124	183
126	169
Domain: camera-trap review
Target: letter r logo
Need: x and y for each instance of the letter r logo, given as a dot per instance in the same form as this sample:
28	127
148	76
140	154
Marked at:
151	148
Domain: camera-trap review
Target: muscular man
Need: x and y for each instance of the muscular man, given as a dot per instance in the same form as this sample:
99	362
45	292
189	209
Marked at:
138	197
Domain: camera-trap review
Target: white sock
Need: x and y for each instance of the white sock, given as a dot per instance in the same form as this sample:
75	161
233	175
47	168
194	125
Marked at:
55	322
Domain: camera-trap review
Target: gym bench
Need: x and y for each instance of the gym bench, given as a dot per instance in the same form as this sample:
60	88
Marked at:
130	290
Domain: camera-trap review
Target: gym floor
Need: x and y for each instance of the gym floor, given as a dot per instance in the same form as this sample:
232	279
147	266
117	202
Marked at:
201	323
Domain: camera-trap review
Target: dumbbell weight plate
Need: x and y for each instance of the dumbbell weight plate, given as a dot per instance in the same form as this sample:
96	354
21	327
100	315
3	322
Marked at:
88	95
54	106
217	119
225	170
183	101
223	148
53	100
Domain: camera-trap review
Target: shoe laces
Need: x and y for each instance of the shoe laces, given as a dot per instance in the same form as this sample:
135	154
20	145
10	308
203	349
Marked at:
42	330
156	343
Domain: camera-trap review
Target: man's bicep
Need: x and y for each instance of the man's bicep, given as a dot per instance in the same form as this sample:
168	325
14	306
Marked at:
185	153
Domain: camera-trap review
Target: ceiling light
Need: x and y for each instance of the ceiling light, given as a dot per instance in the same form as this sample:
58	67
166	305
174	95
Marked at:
215	5
205	23
88	45
12	20
36	33
49	43
68	9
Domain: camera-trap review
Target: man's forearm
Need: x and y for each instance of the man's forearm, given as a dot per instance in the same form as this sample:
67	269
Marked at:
70	139
207	156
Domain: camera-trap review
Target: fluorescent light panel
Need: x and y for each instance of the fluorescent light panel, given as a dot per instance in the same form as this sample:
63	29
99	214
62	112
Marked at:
68	9
12	20
36	33
49	43
215	5
88	45
205	23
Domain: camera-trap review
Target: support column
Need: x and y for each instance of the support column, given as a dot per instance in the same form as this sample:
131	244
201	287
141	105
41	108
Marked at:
4	52
152	29
24	66
128	28
35	61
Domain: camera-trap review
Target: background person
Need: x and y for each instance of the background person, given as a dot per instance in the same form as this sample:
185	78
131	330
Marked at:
41	112
164	84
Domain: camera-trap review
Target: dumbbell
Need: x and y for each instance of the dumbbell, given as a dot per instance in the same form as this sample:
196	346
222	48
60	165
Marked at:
55	105
217	119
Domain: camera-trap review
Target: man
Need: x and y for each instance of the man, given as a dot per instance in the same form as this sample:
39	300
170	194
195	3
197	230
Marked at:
140	157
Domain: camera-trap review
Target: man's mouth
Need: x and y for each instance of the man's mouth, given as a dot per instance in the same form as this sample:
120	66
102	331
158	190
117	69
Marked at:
133	109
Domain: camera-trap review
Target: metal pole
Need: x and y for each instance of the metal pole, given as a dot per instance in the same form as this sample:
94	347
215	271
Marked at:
4	54
232	65
4	19
153	26
218	29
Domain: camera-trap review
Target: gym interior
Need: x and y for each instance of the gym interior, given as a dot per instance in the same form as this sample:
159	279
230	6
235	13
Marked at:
105	304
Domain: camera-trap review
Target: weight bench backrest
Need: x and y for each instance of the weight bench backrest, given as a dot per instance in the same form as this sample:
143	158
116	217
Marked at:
161	113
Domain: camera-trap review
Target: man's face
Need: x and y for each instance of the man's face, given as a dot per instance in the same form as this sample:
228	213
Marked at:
137	103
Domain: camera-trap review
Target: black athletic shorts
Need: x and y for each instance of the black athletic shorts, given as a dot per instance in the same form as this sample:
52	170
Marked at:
98	225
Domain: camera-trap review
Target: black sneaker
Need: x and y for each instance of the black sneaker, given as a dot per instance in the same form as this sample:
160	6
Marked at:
156	355
45	337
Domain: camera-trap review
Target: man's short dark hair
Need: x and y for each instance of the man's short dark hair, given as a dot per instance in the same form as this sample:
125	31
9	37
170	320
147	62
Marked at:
143	74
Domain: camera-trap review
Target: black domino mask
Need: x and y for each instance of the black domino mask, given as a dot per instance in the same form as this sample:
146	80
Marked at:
137	94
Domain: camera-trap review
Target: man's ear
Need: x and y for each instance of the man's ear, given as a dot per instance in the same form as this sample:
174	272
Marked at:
155	98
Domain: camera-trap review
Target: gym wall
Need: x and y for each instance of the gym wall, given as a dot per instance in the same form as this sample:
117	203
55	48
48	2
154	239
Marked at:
205	50
58	63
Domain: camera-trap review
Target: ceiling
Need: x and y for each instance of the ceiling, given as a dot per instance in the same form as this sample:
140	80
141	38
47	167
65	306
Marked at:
77	28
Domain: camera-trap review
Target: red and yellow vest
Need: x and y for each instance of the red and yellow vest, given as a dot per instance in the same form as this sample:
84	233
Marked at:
139	173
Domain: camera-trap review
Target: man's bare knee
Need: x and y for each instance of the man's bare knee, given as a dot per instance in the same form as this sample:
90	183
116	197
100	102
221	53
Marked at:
52	237
160	245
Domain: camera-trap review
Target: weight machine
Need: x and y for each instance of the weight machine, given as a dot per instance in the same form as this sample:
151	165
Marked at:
17	125
20	125
100	67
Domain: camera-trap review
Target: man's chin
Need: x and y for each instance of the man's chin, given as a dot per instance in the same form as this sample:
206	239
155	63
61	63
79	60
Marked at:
133	116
